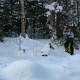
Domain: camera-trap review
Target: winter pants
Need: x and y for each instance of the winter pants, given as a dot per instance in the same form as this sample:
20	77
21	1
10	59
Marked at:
69	46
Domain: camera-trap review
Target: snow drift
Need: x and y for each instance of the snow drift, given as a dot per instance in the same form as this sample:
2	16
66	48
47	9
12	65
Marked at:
23	70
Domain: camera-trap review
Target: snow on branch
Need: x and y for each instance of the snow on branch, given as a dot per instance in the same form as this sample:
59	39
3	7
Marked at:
53	7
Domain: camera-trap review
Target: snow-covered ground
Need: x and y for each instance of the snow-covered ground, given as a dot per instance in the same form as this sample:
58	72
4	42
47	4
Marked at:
29	64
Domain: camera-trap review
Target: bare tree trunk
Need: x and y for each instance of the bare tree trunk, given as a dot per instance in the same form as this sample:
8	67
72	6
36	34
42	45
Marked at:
23	19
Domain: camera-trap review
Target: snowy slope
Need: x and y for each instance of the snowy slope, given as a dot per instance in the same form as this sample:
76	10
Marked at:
29	64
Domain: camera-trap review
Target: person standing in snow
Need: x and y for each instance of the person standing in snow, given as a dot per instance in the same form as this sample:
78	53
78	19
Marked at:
69	36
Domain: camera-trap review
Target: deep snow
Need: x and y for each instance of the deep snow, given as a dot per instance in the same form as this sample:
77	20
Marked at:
29	64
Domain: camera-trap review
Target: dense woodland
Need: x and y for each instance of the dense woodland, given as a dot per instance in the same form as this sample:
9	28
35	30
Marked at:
38	24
